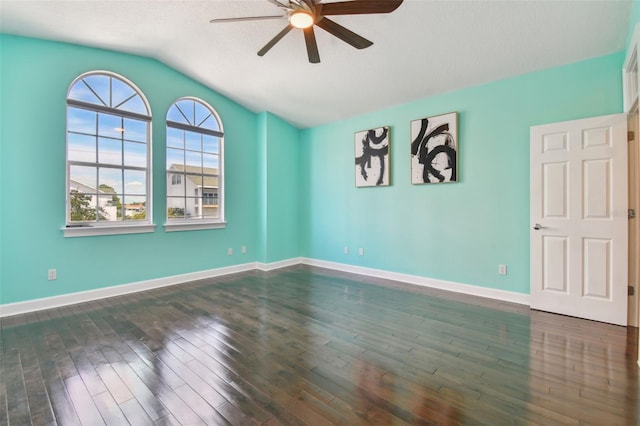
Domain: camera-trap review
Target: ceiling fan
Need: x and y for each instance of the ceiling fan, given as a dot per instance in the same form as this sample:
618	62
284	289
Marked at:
304	14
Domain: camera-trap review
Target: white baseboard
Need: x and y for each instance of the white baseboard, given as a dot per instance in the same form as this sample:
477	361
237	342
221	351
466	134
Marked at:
491	293
17	308
278	265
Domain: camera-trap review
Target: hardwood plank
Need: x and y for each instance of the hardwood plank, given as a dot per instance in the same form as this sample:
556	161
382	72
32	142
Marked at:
114	384
143	396
109	409
201	406
82	401
17	400
59	398
135	414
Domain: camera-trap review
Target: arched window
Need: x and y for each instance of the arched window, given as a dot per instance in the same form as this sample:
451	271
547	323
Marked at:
108	152
194	166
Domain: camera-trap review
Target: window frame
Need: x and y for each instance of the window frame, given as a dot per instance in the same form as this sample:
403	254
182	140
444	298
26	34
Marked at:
192	224
94	228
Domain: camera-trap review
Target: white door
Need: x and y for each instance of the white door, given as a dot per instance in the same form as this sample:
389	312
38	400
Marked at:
579	218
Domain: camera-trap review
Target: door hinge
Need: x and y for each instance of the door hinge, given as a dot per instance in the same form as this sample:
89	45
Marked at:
631	290
632	213
630	136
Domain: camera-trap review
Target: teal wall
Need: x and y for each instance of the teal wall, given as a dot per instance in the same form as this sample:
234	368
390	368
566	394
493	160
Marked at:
634	18
455	231
282	181
289	192
35	76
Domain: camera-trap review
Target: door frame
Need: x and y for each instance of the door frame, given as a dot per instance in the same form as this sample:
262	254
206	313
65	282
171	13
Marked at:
630	93
634	226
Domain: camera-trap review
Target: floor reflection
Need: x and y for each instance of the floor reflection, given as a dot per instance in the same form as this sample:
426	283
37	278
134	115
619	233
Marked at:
382	401
588	364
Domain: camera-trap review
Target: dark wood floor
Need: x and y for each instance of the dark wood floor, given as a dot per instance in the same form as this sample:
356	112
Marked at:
311	346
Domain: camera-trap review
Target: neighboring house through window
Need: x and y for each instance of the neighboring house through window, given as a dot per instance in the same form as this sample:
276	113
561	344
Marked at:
194	165
108	152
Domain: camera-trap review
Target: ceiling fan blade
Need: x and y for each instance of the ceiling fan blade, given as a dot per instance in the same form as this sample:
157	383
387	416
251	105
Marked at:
247	18
277	3
308	4
274	40
344	34
312	45
358	7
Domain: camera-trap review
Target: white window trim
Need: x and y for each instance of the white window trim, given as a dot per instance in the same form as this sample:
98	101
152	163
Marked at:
198	224
81	229
191	226
84	230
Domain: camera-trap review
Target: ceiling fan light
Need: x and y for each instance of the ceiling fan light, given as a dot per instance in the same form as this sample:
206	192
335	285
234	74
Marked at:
301	19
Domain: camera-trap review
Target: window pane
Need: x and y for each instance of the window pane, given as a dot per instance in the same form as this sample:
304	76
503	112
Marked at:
135	154
110	125
81	148
194	161
210	163
210	182
202	113
109	151
193	141
80	92
135	182
194	185
185	110
82	207
175	137
100	85
120	91
175	114
175	158
175	208
135	104
211	123
175	185
210	144
211	212
81	120
193	208
135	208
83	179
108	205
110	180
135	130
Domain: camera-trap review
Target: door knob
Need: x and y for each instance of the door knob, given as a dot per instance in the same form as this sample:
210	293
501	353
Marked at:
537	226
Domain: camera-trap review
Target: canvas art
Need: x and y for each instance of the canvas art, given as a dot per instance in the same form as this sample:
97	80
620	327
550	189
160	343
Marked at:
372	157
434	149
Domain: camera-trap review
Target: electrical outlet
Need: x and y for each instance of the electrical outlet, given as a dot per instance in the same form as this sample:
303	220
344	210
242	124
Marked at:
230	252
502	269
244	249
52	274
346	250
361	251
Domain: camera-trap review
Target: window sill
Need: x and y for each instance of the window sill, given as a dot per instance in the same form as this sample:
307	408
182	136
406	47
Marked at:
91	231
189	226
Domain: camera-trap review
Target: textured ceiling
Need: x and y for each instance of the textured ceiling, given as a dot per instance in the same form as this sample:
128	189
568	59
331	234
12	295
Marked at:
422	49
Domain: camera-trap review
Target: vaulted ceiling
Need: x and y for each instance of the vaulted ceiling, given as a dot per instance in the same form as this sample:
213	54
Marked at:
422	49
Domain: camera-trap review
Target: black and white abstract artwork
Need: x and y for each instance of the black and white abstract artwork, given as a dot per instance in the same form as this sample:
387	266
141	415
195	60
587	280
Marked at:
434	149
372	157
